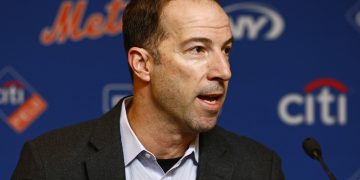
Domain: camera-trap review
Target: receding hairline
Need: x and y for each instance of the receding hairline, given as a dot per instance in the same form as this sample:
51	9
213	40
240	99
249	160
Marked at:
163	15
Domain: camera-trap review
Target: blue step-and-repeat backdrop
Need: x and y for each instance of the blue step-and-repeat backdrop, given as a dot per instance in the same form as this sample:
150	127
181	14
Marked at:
295	65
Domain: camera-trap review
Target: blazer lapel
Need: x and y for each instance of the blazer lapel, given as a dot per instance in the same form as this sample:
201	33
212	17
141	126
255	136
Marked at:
107	162
215	161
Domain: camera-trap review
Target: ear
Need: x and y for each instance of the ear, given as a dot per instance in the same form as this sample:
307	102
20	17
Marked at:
139	61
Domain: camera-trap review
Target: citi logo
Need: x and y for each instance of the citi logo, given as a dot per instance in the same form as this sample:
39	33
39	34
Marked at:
20	104
12	93
254	21
326	107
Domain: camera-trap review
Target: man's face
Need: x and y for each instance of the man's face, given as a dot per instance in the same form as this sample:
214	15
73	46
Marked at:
190	83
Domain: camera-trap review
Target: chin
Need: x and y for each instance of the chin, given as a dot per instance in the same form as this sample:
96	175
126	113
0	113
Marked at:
205	125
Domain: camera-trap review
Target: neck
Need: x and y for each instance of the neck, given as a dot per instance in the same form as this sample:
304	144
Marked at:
158	134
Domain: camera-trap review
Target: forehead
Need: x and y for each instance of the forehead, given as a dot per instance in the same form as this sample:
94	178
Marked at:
185	16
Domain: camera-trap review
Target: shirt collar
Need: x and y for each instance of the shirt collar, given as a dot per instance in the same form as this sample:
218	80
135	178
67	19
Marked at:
193	149
131	145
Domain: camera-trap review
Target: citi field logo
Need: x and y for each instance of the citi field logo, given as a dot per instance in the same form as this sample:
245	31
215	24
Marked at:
20	104
112	93
67	24
254	21
353	16
324	101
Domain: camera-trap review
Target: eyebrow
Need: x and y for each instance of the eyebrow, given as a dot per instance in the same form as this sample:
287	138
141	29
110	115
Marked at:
196	39
204	40
230	40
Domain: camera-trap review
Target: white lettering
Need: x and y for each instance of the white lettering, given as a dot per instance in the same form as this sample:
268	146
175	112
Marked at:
325	99
342	115
283	109
4	96
309	109
247	24
12	96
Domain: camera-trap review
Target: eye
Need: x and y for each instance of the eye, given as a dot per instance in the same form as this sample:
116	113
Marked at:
197	50
227	50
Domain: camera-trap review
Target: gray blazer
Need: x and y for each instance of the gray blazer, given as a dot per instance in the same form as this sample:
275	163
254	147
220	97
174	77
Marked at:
92	150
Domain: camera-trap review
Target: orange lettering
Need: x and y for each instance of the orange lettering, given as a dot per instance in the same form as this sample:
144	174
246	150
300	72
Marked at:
27	113
94	25
76	33
47	35
67	23
113	9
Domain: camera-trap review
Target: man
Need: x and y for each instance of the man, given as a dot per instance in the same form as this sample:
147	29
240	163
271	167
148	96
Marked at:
178	54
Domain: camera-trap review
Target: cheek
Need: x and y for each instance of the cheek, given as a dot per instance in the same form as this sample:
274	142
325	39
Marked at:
176	68
188	77
184	74
188	70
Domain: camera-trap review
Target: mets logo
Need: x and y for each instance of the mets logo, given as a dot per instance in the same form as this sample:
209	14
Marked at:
20	104
324	100
254	21
69	23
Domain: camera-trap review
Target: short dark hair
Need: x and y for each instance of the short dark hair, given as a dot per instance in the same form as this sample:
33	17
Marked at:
141	25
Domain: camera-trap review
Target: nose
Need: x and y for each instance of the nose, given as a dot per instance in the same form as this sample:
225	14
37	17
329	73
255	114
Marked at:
219	67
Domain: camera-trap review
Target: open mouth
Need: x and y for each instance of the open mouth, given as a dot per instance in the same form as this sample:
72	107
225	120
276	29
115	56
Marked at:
210	98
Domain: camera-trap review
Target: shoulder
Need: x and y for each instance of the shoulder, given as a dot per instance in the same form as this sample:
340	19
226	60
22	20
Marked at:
62	152
52	152
77	137
63	144
66	136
